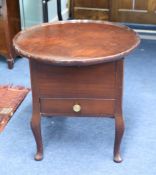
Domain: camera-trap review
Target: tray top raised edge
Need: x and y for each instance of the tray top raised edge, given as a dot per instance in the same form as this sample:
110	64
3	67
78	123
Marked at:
76	42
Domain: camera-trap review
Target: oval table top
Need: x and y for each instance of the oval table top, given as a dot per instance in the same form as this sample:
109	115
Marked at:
76	42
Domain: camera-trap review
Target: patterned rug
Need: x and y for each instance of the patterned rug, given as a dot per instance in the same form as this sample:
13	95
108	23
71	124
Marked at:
10	99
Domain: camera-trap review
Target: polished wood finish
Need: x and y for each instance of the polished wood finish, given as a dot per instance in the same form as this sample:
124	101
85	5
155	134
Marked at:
9	26
77	74
99	90
105	86
66	44
88	107
135	11
90	9
140	11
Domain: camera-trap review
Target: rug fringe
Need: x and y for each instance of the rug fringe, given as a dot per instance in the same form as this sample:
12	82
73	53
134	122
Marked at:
10	98
5	86
14	87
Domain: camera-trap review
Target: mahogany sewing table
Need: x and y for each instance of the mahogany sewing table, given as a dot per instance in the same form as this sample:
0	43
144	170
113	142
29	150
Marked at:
77	70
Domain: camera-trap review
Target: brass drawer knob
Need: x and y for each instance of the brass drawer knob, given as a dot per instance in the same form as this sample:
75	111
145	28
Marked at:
76	108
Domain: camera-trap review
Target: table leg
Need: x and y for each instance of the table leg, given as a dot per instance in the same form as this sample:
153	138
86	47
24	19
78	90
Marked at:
36	117
36	129
59	12
119	122
10	56
119	130
10	63
45	10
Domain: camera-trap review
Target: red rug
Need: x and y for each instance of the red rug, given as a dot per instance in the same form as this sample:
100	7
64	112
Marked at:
10	99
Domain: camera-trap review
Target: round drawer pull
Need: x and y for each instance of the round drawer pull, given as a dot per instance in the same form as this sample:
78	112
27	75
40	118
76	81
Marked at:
76	108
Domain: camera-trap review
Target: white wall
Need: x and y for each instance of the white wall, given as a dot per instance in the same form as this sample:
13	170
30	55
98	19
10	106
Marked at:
52	9
31	12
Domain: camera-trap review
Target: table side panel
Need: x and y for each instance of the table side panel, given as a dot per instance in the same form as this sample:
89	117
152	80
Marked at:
96	81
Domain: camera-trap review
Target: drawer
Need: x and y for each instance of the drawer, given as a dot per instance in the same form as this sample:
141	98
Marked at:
77	107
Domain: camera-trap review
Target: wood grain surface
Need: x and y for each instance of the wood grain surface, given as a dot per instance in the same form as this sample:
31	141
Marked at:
77	42
9	27
65	77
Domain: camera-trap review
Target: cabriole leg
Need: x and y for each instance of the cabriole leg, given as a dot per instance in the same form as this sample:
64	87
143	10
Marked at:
119	130
36	129
119	122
